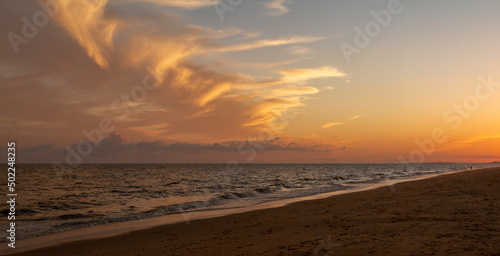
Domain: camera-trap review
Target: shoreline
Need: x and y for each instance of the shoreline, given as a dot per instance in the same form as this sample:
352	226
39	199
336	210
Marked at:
124	227
114	230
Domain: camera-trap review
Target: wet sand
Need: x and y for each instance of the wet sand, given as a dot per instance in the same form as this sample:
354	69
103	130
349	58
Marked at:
453	214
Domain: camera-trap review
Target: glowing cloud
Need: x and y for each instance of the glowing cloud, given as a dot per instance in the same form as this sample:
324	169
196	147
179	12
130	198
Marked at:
303	75
190	4
85	22
276	7
299	50
331	124
193	103
479	138
293	91
266	43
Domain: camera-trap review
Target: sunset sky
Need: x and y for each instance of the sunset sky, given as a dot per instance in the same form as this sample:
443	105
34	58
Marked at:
269	81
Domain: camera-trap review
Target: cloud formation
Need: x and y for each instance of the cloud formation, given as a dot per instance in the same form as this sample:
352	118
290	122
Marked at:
116	147
299	50
331	124
90	63
191	4
267	43
303	75
478	138
276	7
85	22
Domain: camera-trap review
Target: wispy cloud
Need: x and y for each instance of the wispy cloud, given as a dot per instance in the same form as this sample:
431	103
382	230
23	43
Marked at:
267	43
293	91
479	138
111	45
186	4
277	7
303	75
465	142
331	124
299	50
86	23
354	117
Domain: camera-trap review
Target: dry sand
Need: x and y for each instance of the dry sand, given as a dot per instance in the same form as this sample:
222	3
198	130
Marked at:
454	214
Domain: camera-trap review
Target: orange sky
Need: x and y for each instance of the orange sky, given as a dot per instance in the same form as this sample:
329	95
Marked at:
263	81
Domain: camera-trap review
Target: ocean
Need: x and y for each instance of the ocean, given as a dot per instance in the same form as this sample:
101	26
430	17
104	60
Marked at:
92	194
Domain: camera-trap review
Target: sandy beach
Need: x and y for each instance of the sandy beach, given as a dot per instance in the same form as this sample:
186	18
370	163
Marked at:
452	214
231	127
